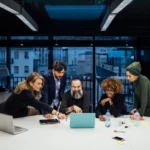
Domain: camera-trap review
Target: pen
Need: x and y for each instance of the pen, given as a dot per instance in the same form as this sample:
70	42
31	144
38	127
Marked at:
119	131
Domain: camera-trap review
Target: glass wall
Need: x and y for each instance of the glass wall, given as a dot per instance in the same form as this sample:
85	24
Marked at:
112	62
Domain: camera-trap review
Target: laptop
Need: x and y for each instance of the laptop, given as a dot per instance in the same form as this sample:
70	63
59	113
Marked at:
7	125
82	120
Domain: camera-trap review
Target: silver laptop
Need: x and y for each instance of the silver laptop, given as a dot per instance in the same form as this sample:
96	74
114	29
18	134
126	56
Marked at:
7	125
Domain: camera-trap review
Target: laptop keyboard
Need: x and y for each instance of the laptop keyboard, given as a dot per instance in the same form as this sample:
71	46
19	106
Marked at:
17	129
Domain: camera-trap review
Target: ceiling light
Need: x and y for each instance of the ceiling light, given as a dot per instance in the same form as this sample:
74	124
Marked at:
121	6
7	8
108	22
25	21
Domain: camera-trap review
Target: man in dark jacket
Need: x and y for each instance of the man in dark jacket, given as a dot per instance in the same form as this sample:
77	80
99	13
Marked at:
75	100
55	82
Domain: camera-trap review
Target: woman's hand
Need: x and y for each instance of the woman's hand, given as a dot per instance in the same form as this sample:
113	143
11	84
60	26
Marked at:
48	116
105	101
62	116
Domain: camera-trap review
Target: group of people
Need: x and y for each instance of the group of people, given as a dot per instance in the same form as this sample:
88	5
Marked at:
44	94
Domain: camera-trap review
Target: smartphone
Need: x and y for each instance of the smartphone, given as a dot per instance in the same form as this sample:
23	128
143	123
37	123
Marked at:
118	138
49	121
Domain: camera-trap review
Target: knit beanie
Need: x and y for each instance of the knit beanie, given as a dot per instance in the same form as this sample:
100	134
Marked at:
134	68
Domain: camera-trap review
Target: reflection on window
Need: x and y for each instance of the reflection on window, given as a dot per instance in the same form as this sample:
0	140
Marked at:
26	69
16	54
26	55
29	37
16	69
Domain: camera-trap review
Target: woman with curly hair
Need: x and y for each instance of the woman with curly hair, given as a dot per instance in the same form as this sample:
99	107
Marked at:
112	99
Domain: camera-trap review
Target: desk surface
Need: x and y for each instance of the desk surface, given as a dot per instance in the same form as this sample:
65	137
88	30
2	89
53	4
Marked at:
62	137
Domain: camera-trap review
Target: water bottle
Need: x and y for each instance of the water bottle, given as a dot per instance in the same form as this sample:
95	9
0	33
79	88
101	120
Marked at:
107	121
136	119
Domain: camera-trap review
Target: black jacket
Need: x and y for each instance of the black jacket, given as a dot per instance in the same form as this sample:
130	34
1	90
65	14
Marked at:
116	108
49	89
69	101
16	104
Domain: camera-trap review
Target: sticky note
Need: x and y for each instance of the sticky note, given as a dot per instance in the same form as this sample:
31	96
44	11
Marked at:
121	142
145	124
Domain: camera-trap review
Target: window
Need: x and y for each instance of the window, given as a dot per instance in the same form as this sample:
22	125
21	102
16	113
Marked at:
26	69
2	56
26	55
28	61
16	54
16	69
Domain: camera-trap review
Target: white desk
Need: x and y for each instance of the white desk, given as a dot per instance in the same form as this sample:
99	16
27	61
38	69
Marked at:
62	137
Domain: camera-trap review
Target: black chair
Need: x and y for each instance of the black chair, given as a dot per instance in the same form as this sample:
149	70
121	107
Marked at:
124	112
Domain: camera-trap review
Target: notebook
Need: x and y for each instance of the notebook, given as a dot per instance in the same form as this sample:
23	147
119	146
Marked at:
7	125
82	120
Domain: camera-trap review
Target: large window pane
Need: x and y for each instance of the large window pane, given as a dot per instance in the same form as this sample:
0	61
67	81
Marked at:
2	65
25	61
79	65
2	56
112	62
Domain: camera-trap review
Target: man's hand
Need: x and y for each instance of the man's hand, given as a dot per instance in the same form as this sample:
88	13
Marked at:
132	112
105	101
77	109
69	109
62	116
102	118
48	116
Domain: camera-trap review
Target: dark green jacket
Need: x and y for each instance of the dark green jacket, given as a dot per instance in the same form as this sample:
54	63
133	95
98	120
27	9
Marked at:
142	95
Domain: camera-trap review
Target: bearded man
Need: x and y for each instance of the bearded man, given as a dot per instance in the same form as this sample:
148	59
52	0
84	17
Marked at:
75	100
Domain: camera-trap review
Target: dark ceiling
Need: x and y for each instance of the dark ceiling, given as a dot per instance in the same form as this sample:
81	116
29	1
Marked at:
72	17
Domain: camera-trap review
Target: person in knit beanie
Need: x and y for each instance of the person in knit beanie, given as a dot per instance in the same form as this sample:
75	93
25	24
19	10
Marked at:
141	89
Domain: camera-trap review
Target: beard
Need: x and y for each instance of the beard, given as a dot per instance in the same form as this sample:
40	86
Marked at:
77	94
